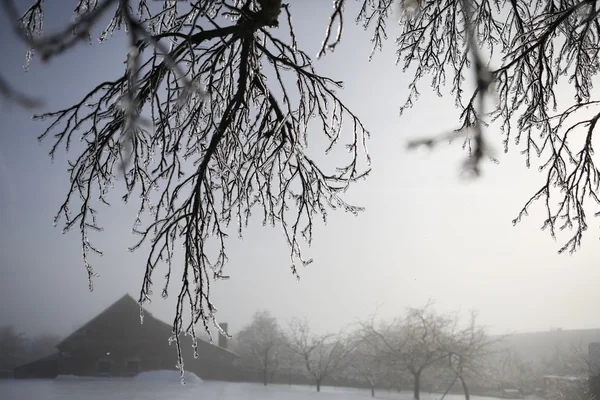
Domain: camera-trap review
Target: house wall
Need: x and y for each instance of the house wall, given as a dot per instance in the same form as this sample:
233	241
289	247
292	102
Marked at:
212	364
37	370
86	364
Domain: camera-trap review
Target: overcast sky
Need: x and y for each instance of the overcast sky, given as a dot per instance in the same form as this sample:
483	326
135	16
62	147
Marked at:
426	233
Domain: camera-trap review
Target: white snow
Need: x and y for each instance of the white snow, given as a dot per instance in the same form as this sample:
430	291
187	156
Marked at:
158	376
76	378
167	376
131	389
69	377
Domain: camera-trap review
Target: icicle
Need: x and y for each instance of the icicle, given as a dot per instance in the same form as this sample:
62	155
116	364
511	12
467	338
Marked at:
28	57
141	312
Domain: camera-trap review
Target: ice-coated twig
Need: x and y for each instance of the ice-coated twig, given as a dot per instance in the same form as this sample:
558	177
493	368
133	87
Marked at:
538	46
204	128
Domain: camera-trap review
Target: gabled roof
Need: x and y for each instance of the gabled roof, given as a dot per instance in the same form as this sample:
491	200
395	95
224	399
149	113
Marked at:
128	302
125	300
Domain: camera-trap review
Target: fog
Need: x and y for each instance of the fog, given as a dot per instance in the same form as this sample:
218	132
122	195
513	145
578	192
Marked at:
426	232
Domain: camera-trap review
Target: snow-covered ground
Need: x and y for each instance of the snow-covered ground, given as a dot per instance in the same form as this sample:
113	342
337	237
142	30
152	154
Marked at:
129	389
168	377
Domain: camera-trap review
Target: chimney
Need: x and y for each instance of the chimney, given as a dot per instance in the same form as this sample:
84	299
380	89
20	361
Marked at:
222	338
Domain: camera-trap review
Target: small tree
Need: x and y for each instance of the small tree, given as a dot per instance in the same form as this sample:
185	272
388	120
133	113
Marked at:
323	355
261	342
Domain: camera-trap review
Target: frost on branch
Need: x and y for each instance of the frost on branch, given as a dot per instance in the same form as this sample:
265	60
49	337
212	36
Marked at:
203	129
515	53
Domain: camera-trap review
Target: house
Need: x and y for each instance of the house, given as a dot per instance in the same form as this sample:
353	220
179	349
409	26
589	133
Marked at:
44	368
114	343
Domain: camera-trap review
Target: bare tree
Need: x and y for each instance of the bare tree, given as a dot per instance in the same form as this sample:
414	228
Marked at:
520	54
209	119
323	355
261	343
212	110
468	351
290	362
367	363
410	343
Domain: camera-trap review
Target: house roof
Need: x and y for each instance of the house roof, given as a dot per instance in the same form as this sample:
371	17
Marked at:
50	357
122	301
127	301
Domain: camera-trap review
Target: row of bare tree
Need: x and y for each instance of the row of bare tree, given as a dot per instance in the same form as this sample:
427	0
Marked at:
453	354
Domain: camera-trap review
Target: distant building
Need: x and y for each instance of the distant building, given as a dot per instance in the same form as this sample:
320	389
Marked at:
594	358
114	343
594	361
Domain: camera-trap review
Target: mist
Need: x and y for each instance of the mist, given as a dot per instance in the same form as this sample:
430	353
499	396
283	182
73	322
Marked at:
425	233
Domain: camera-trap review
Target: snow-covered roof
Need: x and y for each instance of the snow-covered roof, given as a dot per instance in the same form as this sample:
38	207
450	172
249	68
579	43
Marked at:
564	378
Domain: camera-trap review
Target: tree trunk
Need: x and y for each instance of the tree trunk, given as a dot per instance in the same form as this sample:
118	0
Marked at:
416	385
372	391
318	385
265	376
465	388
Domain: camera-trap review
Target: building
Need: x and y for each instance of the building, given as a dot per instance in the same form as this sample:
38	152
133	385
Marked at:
594	361
114	343
44	368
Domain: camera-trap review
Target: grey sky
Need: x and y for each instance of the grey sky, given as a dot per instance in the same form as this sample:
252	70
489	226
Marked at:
425	232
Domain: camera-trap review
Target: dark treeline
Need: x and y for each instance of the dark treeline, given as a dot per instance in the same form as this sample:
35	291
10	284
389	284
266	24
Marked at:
17	348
